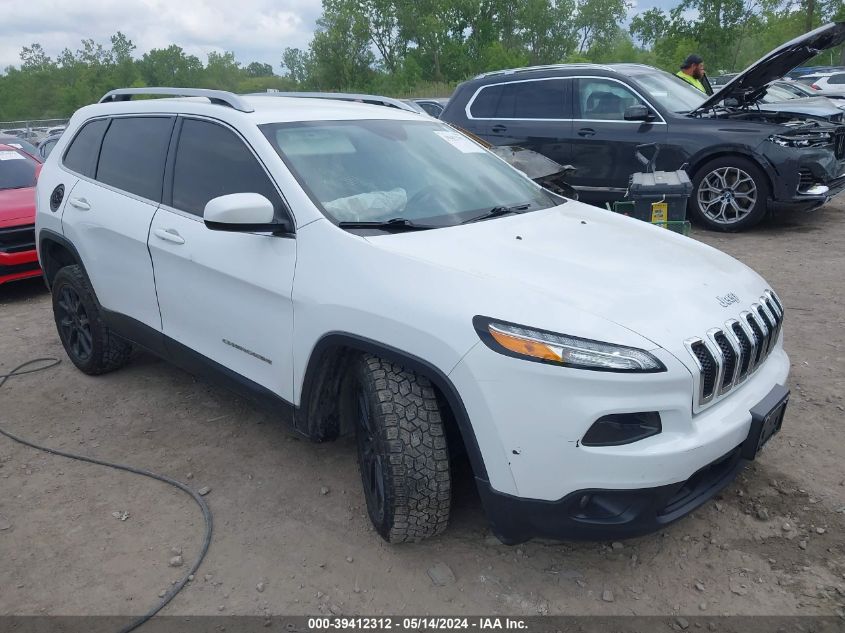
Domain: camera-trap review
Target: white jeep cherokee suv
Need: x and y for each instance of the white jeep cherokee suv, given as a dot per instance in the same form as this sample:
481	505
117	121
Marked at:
367	270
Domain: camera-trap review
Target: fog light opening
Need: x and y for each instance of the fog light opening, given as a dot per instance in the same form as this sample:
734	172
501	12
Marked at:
622	428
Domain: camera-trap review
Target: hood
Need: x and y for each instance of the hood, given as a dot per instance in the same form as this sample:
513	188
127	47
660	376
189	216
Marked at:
17	206
658	284
747	86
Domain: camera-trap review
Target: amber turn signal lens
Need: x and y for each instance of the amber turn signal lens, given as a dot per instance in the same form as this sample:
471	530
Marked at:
524	346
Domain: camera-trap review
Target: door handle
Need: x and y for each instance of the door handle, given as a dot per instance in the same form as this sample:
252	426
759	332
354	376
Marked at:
498	128
80	203
586	132
169	235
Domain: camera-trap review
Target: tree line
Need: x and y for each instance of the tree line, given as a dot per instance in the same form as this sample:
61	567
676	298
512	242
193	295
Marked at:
405	47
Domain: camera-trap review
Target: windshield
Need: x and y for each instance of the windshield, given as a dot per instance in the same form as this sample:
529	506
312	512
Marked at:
379	170
20	143
16	171
671	92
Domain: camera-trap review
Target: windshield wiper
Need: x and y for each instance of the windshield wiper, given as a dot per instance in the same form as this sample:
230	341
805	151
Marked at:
393	224
497	211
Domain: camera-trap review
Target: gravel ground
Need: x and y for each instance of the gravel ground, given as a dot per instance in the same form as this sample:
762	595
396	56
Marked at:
291	531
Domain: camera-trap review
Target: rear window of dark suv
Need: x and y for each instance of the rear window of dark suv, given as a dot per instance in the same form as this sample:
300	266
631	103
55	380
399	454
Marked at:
524	99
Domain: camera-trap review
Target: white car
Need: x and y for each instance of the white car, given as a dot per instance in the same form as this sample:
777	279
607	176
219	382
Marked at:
831	83
367	270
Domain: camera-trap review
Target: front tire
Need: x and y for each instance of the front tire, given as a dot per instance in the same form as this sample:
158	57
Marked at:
402	451
91	346
729	193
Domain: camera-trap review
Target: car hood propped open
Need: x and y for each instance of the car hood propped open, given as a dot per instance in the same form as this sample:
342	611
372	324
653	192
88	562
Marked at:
750	84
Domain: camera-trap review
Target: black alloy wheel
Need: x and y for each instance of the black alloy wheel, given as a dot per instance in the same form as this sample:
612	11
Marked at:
74	325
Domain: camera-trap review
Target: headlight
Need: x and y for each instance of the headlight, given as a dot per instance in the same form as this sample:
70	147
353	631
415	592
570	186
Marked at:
808	139
560	349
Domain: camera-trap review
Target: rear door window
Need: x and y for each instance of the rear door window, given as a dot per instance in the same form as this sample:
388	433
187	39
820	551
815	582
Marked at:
213	161
133	155
541	99
81	155
838	78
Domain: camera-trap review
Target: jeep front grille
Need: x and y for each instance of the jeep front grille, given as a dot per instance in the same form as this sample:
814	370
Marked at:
726	356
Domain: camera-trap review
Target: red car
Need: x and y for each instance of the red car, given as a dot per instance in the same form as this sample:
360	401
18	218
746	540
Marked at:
18	173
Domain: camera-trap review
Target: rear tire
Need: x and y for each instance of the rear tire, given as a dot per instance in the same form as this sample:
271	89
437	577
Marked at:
403	455
91	346
729	193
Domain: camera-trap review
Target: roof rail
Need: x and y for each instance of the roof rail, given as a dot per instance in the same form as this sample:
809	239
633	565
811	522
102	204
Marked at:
510	71
217	97
344	96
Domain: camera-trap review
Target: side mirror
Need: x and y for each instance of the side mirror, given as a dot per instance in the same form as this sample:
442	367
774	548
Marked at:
638	113
242	212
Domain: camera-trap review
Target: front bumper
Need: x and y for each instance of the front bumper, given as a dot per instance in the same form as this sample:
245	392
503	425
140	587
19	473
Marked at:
21	265
529	419
597	514
18	257
799	173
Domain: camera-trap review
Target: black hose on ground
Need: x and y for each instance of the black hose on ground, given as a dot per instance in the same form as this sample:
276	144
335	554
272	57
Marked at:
40	364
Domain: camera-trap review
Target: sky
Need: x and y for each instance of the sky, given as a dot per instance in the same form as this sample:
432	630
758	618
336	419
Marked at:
255	30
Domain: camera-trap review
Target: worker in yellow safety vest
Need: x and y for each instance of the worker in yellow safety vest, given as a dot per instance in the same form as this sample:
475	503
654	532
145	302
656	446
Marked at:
692	71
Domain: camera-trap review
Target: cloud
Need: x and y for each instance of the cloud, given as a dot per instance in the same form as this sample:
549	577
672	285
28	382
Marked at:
255	30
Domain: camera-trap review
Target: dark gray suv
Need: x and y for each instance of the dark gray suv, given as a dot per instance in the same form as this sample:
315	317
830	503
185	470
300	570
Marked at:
744	159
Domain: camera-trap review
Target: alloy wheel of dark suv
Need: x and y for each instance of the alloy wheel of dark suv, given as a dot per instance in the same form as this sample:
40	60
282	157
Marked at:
729	194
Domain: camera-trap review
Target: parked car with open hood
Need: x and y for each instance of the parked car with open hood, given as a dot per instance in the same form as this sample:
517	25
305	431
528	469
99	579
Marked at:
743	158
368	270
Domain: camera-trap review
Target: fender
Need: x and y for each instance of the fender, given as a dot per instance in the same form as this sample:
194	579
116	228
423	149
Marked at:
48	235
709	153
435	375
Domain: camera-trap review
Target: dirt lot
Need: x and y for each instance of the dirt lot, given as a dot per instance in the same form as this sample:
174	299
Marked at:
290	514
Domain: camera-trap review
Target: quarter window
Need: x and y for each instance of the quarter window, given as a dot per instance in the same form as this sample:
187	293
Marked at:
600	99
81	156
133	155
539	99
838	78
212	161
486	101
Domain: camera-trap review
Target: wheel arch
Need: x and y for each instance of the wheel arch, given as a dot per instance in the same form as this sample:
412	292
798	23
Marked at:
55	252
318	415
698	161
